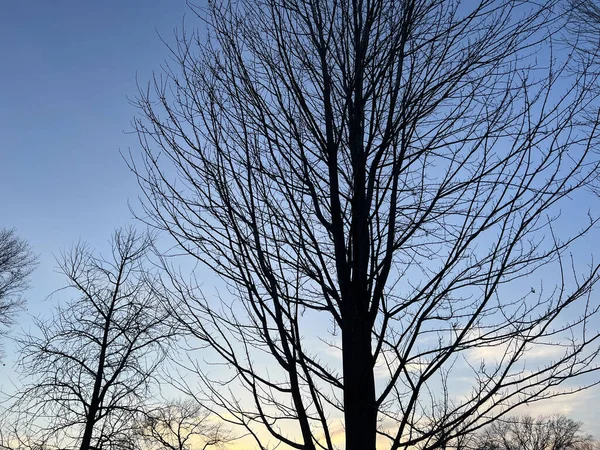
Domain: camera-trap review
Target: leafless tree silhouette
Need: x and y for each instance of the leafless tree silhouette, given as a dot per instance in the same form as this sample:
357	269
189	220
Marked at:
380	184
17	261
90	366
556	432
181	425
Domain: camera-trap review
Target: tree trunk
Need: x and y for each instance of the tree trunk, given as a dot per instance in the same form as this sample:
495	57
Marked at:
89	429
360	413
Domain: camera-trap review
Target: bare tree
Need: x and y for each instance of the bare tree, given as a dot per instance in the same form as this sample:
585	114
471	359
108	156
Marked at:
181	425
90	366
556	432
380	185
17	261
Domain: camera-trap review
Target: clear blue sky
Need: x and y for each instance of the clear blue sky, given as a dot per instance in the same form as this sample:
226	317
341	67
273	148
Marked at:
67	69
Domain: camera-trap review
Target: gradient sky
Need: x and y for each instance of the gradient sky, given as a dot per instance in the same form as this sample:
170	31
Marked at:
68	67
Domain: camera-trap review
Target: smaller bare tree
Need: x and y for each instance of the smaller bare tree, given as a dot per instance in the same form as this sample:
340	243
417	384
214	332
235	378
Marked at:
17	261
554	432
181	425
89	368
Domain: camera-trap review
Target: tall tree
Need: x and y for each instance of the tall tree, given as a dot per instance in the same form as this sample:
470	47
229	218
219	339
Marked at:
90	366
384	177
17	261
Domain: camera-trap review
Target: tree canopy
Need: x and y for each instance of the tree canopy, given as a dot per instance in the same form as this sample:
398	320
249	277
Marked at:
381	186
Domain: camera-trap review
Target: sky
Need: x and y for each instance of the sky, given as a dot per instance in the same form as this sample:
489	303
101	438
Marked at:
68	69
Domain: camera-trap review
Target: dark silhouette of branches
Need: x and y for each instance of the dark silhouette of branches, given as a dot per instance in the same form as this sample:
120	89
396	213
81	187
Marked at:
181	425
380	184
555	432
585	15
90	366
583	39
17	261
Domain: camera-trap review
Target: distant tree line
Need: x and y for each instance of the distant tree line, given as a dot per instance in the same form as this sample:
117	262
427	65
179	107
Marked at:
549	432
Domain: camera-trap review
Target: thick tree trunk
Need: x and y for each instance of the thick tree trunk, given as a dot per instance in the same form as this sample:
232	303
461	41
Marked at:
360	413
86	440
96	400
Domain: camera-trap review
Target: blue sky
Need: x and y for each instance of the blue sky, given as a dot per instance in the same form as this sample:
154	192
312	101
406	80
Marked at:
67	69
